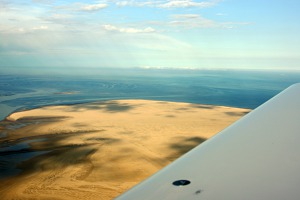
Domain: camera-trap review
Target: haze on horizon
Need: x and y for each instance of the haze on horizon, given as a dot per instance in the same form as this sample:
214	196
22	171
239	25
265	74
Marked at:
211	34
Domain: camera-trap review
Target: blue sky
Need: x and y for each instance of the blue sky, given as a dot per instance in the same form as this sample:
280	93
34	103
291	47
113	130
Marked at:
216	34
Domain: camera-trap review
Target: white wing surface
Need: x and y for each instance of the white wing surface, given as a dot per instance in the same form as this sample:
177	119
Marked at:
256	158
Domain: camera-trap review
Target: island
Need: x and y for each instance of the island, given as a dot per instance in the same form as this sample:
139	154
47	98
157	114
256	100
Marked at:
99	150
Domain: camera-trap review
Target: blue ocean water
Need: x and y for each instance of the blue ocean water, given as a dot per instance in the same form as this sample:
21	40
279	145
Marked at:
246	89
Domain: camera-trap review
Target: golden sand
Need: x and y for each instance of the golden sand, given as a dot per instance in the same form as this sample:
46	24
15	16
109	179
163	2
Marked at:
99	150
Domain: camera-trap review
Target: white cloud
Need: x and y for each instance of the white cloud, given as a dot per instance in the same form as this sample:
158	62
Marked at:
58	17
194	21
82	7
17	19
197	21
109	27
187	3
40	28
136	3
4	5
235	24
169	3
124	3
43	1
186	16
93	7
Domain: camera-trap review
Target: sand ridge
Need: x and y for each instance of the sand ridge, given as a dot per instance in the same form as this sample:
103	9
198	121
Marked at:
99	150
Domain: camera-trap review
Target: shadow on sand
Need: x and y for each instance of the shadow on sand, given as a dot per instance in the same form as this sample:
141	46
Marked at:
237	114
107	106
181	145
45	151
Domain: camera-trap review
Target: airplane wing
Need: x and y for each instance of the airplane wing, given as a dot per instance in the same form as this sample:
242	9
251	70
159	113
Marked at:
256	158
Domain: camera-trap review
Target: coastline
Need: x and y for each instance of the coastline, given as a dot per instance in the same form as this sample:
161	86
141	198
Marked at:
103	148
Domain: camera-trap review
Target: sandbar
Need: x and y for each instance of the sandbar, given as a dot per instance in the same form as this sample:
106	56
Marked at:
99	150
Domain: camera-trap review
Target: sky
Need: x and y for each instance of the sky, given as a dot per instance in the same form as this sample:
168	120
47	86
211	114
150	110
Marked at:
192	34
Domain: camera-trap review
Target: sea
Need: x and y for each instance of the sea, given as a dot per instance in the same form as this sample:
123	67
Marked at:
244	89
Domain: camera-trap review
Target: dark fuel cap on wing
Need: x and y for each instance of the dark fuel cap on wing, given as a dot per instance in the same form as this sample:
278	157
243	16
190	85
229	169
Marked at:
181	182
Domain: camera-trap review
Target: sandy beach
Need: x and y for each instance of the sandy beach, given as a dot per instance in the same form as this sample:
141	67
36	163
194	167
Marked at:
99	150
